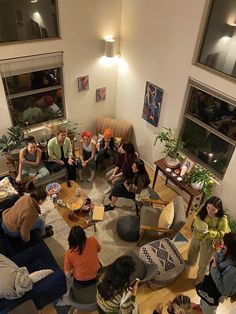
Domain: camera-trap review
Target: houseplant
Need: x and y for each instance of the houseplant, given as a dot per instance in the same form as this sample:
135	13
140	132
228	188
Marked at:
200	178
172	146
72	128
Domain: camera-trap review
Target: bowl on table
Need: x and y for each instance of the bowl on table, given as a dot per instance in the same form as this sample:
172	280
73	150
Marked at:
3	194
53	188
75	203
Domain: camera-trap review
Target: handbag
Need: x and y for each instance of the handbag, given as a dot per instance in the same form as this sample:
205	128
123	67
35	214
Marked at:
208	291
125	297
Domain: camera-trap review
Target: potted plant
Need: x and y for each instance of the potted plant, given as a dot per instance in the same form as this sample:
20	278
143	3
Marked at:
200	178
172	146
72	128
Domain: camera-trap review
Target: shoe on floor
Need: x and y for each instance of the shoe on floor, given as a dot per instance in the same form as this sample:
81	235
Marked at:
48	227
108	207
81	179
108	190
48	233
90	179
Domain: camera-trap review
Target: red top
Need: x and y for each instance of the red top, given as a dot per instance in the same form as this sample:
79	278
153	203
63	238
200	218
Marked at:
85	266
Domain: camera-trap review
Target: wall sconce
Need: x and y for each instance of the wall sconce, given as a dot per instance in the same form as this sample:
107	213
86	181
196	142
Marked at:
110	47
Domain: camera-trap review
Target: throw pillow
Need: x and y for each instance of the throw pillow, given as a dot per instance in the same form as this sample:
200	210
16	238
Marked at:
6	185
167	216
118	140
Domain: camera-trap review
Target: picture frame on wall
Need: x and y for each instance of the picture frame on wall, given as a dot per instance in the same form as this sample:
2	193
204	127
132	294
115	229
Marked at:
152	103
100	94
83	83
188	164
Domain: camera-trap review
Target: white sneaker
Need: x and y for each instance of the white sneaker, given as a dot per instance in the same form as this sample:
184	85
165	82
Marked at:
108	190
90	179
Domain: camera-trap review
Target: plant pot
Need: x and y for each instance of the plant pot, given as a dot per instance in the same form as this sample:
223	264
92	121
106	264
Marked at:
171	162
43	143
197	185
14	154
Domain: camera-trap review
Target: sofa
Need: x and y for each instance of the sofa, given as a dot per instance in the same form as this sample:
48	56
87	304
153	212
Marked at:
121	129
45	291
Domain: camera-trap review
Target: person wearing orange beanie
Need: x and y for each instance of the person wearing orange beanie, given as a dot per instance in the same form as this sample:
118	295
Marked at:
106	149
87	151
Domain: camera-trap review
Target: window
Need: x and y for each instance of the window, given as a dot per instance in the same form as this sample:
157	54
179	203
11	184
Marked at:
218	40
209	127
34	88
24	20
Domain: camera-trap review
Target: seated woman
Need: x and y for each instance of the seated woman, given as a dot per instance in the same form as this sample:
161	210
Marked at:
31	167
127	189
81	259
107	148
123	168
23	216
60	154
87	151
114	282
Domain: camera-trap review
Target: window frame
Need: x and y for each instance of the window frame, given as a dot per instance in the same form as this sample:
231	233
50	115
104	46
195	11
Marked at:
192	83
38	39
200	40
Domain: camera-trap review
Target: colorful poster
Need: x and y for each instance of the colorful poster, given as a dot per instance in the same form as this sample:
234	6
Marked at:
152	103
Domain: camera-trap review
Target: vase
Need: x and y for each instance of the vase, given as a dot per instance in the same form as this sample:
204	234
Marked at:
171	162
197	185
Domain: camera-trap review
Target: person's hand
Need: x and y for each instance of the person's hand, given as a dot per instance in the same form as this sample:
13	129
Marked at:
111	177
135	288
159	308
126	184
60	162
70	161
84	163
18	179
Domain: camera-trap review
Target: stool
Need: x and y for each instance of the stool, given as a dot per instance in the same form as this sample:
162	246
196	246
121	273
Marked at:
128	228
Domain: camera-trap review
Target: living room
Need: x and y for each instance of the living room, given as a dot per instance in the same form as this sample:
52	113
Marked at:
158	42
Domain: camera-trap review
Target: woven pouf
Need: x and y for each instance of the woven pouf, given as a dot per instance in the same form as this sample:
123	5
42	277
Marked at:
128	228
165	255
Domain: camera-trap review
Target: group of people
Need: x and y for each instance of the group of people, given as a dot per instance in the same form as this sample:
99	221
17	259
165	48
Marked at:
129	178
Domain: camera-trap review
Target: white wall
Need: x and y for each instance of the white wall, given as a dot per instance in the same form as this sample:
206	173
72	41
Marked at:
83	26
158	44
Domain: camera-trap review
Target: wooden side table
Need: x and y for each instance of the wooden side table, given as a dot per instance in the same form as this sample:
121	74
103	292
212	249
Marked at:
195	195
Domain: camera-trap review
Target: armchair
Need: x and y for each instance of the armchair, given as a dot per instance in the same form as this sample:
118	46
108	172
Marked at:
149	218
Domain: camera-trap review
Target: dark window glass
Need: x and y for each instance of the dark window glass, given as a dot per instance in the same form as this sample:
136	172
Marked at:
37	108
207	147
218	45
213	111
25	19
31	81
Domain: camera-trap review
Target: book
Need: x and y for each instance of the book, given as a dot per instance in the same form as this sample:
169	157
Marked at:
98	213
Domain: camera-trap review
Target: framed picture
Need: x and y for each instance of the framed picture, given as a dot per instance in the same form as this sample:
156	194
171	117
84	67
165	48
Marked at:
189	164
152	103
83	83
100	94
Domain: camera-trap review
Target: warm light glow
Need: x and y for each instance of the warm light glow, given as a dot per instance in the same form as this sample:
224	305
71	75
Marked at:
123	66
106	61
231	20
33	1
109	38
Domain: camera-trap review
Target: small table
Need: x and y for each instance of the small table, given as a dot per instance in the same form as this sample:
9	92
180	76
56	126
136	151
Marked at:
65	194
195	195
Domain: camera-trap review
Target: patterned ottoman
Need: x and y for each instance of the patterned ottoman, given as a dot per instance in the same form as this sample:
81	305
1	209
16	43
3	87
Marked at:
128	228
165	255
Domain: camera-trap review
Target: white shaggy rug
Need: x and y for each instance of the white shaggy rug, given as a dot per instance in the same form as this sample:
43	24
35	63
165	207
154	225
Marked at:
112	245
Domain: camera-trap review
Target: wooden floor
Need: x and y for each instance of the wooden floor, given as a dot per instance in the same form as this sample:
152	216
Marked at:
147	298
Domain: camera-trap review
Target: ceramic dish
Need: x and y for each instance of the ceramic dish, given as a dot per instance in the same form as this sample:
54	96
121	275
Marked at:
3	194
201	226
168	170
53	188
180	179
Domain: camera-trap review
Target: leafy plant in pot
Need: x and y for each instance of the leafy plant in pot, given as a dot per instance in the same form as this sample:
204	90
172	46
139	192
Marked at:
72	128
172	146
200	178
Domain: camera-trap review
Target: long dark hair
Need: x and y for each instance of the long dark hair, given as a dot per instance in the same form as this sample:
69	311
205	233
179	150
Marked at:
129	148
215	201
77	239
230	242
141	172
39	194
116	277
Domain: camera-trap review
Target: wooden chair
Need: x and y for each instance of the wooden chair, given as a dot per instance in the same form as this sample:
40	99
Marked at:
149	219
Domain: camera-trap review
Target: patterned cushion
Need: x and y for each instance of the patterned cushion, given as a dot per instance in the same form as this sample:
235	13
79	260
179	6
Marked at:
5	184
165	255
